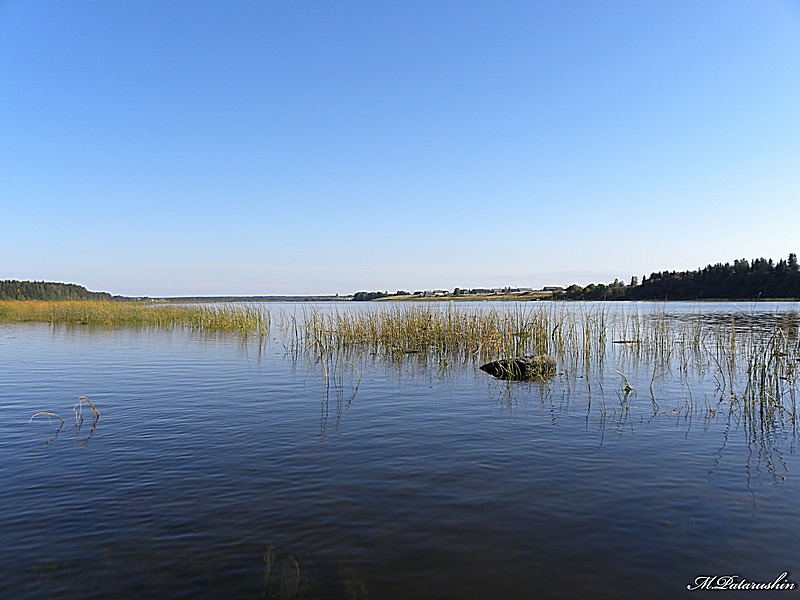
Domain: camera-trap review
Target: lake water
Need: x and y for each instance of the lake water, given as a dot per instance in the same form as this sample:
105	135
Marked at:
224	467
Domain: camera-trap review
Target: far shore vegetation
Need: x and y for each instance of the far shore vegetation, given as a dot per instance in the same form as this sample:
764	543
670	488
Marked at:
750	280
11	289
757	279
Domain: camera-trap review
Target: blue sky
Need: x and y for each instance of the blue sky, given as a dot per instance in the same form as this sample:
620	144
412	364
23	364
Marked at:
170	148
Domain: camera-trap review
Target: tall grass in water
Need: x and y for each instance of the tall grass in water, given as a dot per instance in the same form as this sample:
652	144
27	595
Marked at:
205	317
752	357
454	331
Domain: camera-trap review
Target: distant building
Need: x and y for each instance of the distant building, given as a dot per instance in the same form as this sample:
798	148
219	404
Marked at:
552	288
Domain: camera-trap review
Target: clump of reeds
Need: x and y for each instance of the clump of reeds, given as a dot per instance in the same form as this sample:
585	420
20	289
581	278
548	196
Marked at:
752	357
78	411
455	330
406	329
242	318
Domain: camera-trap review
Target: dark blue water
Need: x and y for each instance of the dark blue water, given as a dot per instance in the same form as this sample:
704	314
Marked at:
221	468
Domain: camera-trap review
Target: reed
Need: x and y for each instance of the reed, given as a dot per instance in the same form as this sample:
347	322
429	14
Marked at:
78	409
48	414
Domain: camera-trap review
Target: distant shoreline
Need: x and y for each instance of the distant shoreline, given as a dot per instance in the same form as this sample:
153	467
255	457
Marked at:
537	296
208	299
759	280
547	296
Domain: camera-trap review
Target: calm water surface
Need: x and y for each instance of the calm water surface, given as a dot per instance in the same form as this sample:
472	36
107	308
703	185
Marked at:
224	468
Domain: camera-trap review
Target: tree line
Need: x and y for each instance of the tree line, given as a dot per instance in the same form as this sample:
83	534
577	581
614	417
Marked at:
11	289
366	296
742	280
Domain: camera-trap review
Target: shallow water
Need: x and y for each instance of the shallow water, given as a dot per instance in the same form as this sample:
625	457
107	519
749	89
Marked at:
221	467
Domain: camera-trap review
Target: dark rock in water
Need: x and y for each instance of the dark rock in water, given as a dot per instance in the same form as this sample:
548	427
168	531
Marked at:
523	368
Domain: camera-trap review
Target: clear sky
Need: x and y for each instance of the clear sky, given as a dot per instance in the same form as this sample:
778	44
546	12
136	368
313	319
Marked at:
174	148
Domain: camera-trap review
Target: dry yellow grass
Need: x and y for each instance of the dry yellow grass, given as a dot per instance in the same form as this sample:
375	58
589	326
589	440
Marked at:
239	318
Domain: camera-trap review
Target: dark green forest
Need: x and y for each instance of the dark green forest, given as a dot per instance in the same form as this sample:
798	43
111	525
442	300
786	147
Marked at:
11	289
364	296
760	278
